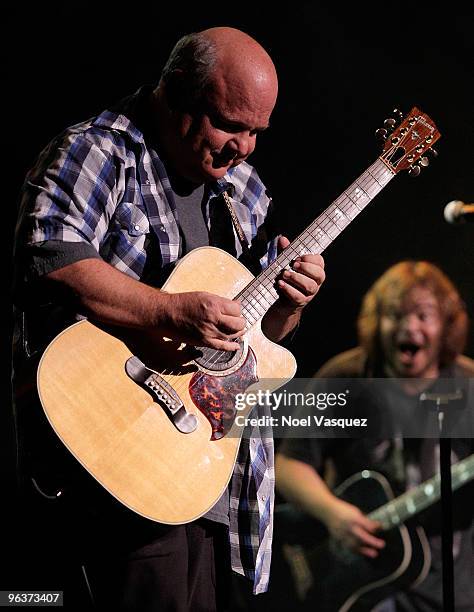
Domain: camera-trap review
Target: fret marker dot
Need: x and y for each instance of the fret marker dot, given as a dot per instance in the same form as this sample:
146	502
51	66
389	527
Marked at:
429	489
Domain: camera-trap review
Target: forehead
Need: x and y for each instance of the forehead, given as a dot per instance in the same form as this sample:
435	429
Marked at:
240	95
415	298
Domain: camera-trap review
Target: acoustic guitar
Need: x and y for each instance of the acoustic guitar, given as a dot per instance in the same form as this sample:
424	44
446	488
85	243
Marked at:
331	578
151	423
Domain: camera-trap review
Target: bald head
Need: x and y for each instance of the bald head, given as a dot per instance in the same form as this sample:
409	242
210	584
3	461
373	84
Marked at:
239	54
198	60
243	77
216	94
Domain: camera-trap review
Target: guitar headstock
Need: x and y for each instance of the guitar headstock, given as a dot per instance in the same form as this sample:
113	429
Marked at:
407	146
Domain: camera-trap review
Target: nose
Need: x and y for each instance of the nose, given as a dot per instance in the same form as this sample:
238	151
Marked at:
410	321
242	144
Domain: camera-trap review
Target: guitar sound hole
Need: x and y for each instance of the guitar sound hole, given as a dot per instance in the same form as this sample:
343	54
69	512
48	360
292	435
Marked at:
219	361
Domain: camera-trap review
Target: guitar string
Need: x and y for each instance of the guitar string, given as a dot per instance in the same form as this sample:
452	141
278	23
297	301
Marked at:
251	308
327	221
419	496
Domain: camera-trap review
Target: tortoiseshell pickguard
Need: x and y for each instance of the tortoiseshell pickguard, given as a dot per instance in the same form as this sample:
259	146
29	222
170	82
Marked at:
215	395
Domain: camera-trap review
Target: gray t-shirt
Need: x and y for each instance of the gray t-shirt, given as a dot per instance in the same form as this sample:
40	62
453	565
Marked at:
194	233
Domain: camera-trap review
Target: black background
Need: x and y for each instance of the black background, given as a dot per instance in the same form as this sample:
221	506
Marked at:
342	70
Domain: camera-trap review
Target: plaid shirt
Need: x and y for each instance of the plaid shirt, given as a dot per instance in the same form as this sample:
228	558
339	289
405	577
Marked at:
101	185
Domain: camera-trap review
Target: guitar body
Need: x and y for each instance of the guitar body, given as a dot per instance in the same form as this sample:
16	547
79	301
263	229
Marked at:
335	579
148	419
123	435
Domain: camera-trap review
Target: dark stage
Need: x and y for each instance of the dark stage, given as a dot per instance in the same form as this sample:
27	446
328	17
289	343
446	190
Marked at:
342	70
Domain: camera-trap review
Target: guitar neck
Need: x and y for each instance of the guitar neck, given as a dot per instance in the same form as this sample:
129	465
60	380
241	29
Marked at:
257	297
410	503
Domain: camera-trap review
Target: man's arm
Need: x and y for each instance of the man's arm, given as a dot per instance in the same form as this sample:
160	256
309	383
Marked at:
197	317
110	296
300	483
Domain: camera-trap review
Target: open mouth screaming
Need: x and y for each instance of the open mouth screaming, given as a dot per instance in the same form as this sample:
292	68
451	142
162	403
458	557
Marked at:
409	349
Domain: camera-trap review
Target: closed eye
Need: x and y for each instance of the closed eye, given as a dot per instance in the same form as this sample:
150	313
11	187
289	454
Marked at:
233	127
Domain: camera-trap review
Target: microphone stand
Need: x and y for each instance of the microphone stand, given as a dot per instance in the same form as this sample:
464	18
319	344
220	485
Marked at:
440	400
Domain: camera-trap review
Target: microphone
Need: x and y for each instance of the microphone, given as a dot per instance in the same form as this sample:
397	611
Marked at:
458	212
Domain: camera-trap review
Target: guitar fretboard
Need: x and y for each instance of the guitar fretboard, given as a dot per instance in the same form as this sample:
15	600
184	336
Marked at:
410	503
260	294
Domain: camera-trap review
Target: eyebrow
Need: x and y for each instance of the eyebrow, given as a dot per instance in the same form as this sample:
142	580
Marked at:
216	116
427	305
413	308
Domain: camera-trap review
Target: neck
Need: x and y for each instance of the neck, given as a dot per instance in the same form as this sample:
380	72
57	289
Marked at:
415	385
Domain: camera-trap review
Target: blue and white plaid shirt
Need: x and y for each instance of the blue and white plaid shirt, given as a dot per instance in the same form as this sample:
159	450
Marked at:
101	185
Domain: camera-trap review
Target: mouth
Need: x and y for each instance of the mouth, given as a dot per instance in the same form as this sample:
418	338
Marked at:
408	350
221	160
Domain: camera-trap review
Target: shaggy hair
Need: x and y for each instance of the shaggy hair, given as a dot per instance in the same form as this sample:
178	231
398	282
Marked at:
393	286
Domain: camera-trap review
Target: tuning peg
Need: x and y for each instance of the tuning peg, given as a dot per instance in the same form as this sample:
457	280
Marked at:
424	161
398	113
389	123
433	152
414	170
381	134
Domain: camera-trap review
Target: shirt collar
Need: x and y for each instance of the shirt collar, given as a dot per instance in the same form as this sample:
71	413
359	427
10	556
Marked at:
117	121
218	187
120	117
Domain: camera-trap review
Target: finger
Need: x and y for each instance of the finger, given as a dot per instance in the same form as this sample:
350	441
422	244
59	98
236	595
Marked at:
368	524
296	295
366	538
318	260
231	325
222	345
229	337
368	552
230	307
307	285
311	270
238	334
291	294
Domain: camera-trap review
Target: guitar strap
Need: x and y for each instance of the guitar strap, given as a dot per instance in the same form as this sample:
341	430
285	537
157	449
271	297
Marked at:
238	227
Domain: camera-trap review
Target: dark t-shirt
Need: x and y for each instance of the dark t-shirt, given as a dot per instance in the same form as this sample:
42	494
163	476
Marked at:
406	463
194	233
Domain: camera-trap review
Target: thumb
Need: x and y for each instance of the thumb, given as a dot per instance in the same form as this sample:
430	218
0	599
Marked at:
283	242
368	524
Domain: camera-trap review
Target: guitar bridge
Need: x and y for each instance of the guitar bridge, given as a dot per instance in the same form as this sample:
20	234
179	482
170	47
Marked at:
163	393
